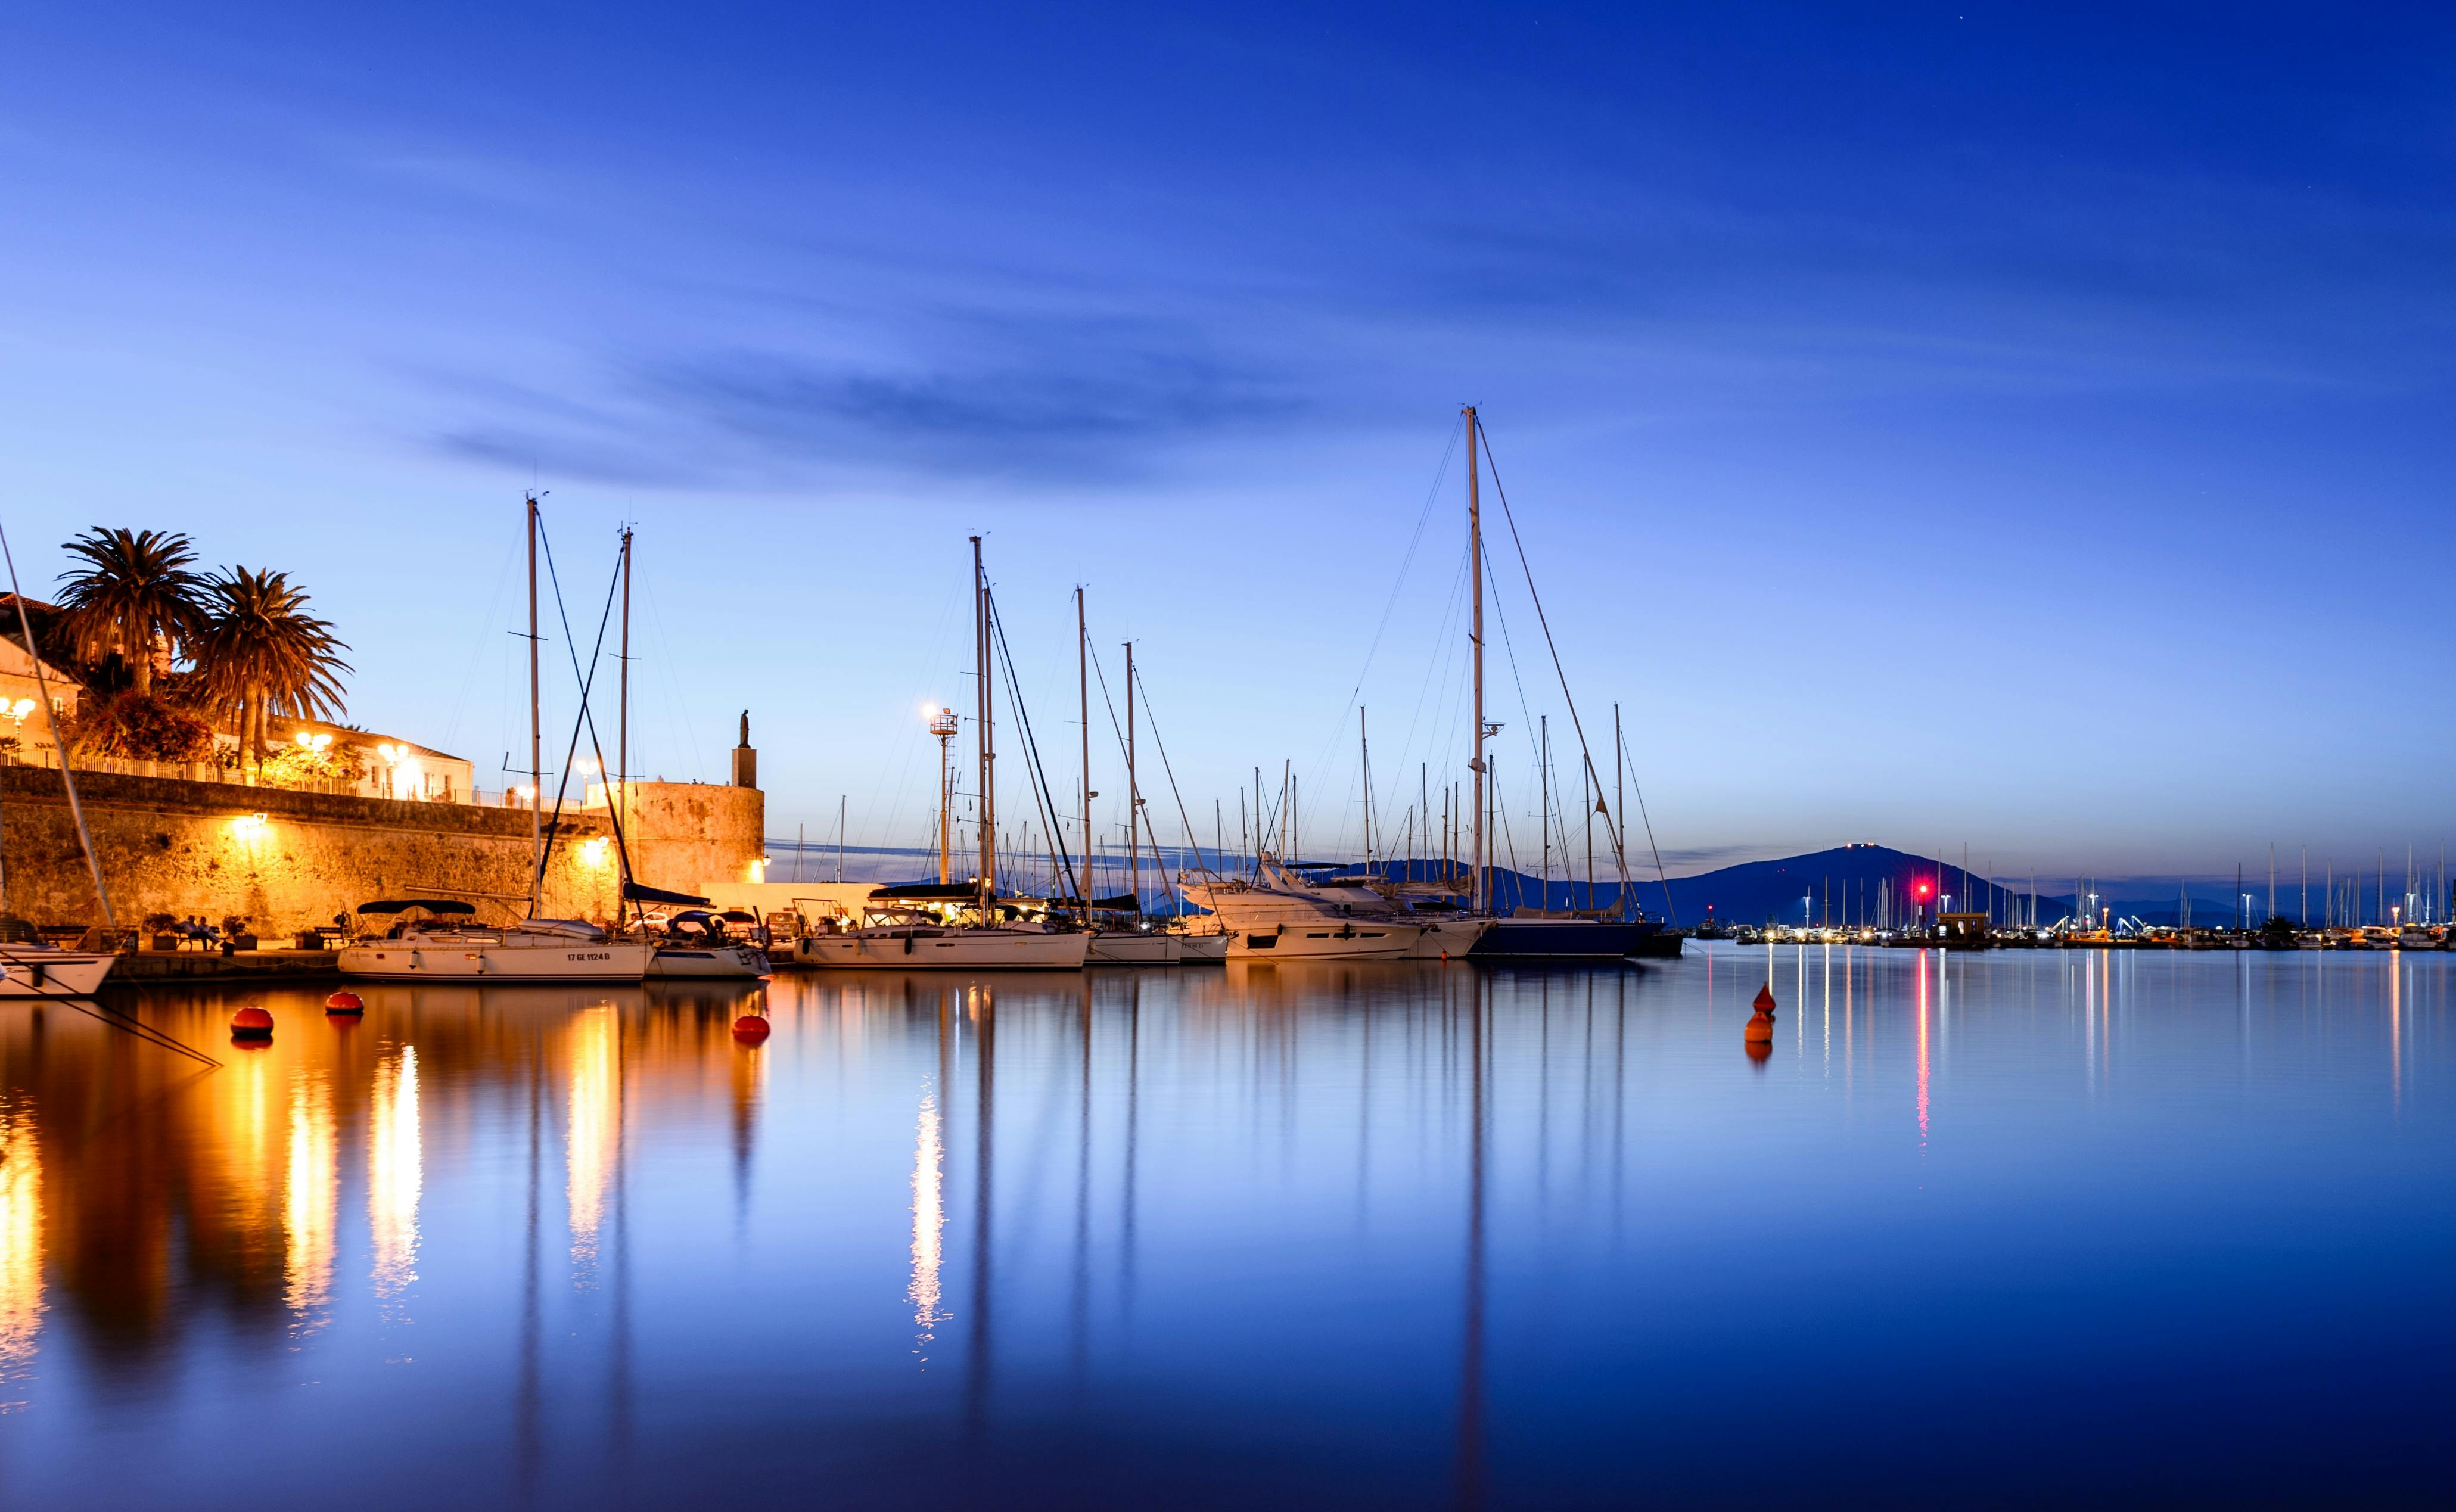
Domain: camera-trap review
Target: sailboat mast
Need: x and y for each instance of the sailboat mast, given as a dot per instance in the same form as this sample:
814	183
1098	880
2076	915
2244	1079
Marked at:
1364	754
620	795
59	745
1134	795
1083	711
537	735
988	745
1475	574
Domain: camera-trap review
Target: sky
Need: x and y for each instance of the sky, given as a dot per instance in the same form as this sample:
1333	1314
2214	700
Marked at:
2023	427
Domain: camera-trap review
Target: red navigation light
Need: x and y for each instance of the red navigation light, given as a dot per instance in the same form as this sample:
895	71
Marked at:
1922	889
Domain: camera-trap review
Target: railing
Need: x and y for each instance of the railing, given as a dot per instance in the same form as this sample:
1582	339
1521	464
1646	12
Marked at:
242	777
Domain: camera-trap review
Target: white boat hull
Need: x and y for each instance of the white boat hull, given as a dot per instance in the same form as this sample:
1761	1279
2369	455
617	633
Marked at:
1325	940
27	972
1447	939
1137	948
931	949
1205	949
471	961
741	962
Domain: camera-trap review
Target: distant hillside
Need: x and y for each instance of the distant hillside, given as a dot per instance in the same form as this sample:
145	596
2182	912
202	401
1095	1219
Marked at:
1844	886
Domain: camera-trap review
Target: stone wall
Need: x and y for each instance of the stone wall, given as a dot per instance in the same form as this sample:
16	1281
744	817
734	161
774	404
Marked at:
287	860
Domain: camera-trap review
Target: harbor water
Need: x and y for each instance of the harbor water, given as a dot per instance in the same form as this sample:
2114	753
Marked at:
2019	1228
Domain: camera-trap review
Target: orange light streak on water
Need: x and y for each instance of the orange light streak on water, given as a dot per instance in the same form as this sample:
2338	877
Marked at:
21	1252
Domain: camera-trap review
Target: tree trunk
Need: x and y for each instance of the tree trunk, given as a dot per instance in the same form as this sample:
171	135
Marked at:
140	665
256	704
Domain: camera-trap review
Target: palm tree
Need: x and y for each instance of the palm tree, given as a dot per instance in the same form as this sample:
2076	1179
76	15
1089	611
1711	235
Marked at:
262	655
134	594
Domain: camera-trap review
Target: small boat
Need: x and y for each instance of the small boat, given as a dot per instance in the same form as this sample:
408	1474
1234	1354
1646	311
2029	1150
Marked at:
696	945
31	969
743	962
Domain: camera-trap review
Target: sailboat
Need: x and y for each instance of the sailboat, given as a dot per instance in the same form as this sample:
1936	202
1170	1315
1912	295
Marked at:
1525	935
532	949
29	968
895	937
1127	935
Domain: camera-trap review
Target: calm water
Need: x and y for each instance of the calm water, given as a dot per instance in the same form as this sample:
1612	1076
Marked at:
2023	1228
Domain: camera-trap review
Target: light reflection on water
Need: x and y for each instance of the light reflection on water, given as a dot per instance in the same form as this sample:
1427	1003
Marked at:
2020	1227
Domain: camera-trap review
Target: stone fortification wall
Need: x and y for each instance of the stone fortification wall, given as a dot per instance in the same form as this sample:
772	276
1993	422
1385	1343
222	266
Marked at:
182	848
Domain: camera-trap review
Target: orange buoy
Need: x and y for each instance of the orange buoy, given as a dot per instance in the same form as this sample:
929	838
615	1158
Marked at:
251	1023
750	1029
345	1003
1760	1030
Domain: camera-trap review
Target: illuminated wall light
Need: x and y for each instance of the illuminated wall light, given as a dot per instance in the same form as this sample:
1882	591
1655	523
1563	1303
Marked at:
594	852
248	827
759	870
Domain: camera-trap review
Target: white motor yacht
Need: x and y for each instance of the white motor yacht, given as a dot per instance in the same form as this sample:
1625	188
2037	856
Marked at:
531	951
1278	916
40	970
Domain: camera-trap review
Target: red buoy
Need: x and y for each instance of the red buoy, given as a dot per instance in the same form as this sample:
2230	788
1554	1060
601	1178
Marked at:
251	1023
1764	999
750	1029
345	1003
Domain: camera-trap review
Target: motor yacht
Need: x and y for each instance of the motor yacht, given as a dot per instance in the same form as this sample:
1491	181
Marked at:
1277	915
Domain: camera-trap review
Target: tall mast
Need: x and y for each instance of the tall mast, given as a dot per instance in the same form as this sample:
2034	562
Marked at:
1364	751
1083	708
537	737
1619	810
59	745
1544	785
1475	637
989	747
1134	795
621	792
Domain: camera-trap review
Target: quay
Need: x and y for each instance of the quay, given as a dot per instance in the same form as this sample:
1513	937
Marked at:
149	967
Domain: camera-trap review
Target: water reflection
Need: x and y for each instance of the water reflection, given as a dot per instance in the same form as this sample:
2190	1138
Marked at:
21	1249
1323	1233
396	1172
591	1137
311	1196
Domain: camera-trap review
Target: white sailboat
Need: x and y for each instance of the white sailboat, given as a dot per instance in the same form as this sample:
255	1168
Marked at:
33	969
904	939
534	949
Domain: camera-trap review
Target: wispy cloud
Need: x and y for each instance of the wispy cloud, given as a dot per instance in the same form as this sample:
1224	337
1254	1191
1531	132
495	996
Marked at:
1032	399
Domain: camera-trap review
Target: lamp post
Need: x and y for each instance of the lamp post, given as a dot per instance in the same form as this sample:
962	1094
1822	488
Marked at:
944	724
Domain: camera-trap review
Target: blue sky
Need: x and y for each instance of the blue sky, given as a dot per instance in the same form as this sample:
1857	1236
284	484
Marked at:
2024	426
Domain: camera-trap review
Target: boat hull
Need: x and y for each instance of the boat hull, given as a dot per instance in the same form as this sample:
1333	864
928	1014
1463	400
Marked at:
1447	938
738	962
1205	949
52	973
580	961
1562	940
1325	940
951	950
1137	948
